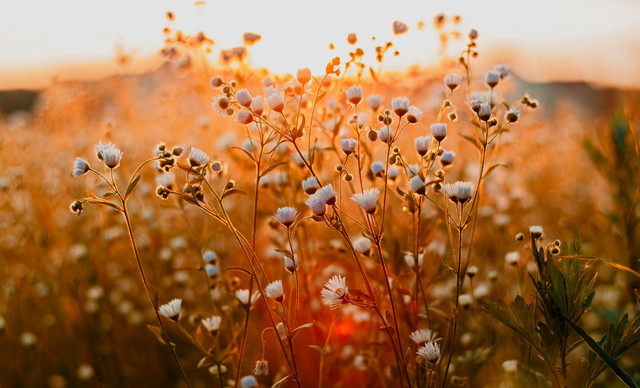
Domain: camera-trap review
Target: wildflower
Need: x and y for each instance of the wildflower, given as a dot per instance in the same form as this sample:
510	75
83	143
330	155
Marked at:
362	245
484	113
423	335
212	324
412	169
335	292
248	382
416	184
276	102
348	145
256	105
262	368
463	191
197	157
452	81
243	297
298	160
327	195
316	204
422	144
472	271
475	105
211	270
410	259
367	200
439	131
244	98
274	291
385	134
377	168
310	185
393	172
400	105
491	79
291	264
208	256
374	101
536	231
354	94
109	154
510	366
501	69
171	310
80	166
28	339
218	370
286	215
512	258
512	115
430	351
414	114
244	117
447	158
304	75
465	300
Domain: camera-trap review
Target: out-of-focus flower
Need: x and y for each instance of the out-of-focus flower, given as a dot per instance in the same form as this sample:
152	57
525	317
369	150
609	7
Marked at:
385	134
244	117
243	296
416	184
491	79
374	101
512	115
536	231
447	158
362	245
304	75
276	102
423	335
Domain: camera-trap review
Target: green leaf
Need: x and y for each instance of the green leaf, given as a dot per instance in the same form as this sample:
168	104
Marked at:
131	186
604	356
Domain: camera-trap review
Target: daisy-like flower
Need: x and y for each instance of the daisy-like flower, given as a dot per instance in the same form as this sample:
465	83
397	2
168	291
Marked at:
244	117
262	368
512	115
110	155
304	75
463	191
447	158
101	147
422	144
310	185
327	195
430	352
348	145
492	78
212	324
439	131
276	102
414	114
197	157
411	260
393	172
354	94
377	168
501	69
423	335
171	310
416	184
374	101
80	166
484	113
335	292
362	245
385	134
368	200
243	296
452	81
536	231
316	204
243	97
291	264
256	105
400	105
274	291
286	215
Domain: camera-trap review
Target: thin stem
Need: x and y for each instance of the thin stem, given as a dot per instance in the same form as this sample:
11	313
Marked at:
324	348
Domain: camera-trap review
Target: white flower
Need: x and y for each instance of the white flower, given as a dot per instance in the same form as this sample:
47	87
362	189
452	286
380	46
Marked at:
291	264
400	105
414	114
257	105
416	184
316	204
243	97
197	157
463	191
492	78
109	154
298	160
327	195
430	351
211	270
422	144
243	296
367	200
244	117
262	368
512	115
286	215
452	81
374	101
501	69
208	256
275	102
354	94
512	258
439	131
310	185
377	168
212	324
447	158
274	291
423	335
80	166
536	231
362	245
385	134
348	145
484	113
335	292
510	366
393	172
171	310
411	261
465	300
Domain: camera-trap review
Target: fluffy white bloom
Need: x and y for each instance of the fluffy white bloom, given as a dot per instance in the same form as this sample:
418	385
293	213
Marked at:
439	131
374	101
430	351
171	310
510	366
512	258
212	324
465	300
316	204
385	134
244	117
536	231
335	292
422	144
327	195
423	335
362	245
256	105
243	296
414	114
367	200
452	81
463	191
197	157
348	145
286	215
354	94
492	78
411	261
243	97
275	102
400	105
393	172
80	166
109	154
501	69
447	158
275	291
310	185
416	184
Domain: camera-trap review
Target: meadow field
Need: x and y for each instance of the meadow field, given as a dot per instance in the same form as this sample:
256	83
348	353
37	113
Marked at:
210	224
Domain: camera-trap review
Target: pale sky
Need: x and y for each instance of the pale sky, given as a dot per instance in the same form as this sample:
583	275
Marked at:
604	35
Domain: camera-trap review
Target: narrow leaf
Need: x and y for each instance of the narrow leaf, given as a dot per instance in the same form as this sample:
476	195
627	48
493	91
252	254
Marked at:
131	186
